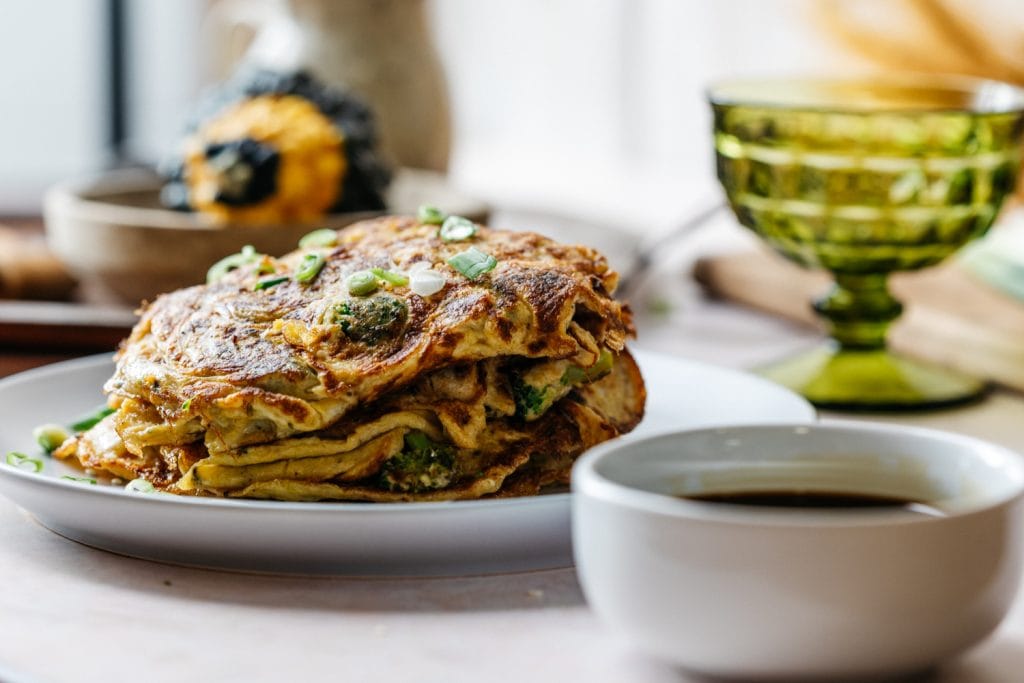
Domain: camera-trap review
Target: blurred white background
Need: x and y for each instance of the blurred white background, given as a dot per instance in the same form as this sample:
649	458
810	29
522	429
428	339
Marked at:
597	108
587	108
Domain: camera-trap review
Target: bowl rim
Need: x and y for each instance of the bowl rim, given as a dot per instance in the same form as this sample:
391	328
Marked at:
81	196
588	482
717	92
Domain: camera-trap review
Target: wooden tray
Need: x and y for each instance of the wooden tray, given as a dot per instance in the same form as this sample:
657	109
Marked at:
50	327
950	317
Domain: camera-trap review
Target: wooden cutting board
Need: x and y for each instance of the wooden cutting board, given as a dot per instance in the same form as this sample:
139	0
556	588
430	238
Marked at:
950	317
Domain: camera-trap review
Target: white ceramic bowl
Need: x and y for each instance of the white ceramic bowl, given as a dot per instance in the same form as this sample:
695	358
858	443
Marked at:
775	593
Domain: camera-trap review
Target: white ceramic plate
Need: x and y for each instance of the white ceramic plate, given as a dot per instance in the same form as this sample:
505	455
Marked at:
461	537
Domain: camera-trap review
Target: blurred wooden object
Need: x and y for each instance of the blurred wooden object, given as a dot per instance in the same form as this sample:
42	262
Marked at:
932	36
28	270
950	317
50	327
34	333
13	362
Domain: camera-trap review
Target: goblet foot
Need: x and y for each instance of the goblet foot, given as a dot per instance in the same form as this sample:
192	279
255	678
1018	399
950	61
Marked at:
872	379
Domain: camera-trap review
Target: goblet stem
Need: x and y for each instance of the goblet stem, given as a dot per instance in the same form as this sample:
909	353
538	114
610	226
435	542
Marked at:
859	309
856	371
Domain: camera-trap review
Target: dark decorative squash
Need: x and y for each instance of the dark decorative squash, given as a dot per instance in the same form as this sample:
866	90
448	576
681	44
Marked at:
269	147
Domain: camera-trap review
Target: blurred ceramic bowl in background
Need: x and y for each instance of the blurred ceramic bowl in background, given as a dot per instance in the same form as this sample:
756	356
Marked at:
787	593
115	236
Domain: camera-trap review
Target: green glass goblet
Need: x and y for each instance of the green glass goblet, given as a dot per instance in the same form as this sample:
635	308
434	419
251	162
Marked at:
863	178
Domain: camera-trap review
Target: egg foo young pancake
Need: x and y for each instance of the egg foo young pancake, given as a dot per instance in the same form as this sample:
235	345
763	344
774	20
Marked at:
393	360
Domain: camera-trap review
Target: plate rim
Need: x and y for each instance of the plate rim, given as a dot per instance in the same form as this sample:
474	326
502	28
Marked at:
330	507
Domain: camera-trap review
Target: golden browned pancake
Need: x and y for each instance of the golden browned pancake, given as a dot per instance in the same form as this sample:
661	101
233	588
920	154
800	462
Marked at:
268	384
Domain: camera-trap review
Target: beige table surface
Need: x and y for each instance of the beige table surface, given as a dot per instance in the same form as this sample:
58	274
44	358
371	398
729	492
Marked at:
71	613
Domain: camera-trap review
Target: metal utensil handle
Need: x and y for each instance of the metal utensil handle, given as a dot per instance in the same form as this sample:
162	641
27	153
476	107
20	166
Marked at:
647	253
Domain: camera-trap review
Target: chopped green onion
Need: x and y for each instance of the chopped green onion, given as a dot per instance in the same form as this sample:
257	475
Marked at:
390	276
268	282
50	436
574	374
186	405
659	306
139	486
310	267
80	480
430	215
426	282
89	421
233	262
457	229
473	263
361	283
324	237
22	461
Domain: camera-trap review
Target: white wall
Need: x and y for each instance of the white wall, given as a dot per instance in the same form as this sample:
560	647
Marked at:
54	114
52	105
595	107
163	72
588	107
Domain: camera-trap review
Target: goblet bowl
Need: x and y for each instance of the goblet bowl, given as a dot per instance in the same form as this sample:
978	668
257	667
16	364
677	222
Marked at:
863	178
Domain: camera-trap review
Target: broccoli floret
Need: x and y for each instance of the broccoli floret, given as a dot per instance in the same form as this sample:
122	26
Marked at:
371	320
537	389
531	402
422	465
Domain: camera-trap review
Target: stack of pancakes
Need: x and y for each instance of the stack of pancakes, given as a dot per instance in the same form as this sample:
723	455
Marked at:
303	390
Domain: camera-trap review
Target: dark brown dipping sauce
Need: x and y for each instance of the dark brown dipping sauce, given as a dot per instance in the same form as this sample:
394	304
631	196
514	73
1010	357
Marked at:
804	499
